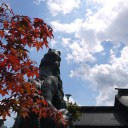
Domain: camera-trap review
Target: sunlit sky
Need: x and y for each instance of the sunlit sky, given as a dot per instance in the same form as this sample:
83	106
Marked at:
92	36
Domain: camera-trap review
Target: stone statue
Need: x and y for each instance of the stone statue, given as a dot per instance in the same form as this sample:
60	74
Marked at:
50	84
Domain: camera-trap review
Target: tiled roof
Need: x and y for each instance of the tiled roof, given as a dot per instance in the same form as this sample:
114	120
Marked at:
100	116
106	116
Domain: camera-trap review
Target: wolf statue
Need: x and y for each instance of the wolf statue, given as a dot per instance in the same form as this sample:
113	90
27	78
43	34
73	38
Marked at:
50	84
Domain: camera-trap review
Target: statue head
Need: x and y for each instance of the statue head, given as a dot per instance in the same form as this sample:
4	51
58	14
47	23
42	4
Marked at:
51	60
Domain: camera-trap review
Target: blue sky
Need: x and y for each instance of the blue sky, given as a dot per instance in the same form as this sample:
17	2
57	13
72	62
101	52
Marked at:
92	36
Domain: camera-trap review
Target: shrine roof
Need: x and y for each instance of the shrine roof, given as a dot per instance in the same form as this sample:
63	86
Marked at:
105	116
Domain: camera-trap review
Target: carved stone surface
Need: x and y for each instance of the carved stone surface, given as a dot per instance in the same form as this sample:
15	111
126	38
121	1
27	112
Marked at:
49	70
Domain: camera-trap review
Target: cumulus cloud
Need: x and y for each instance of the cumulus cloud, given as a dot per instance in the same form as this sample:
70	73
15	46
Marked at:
117	31
37	2
62	6
77	52
53	43
106	97
105	78
67	28
107	23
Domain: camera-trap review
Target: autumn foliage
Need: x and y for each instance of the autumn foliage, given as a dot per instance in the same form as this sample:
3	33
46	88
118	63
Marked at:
17	34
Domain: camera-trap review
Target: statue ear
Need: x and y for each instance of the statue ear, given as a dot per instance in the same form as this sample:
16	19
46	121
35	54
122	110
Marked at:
49	49
59	52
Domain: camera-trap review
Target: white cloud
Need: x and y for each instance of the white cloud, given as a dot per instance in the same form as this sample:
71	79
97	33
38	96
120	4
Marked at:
89	40
66	42
53	43
106	96
68	27
105	78
37	2
79	53
117	30
108	22
62	6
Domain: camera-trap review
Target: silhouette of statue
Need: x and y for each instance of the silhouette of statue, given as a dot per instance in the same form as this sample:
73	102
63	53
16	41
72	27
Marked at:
50	84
